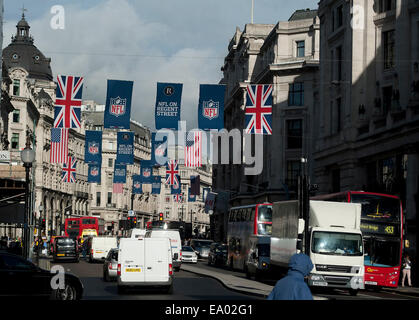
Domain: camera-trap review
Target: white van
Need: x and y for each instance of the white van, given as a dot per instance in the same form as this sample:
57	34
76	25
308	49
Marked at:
100	246
145	262
175	242
137	233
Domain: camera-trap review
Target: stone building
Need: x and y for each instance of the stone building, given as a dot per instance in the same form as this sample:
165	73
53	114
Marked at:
368	118
32	95
285	55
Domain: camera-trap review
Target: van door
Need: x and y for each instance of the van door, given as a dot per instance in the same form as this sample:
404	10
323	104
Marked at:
157	254
132	261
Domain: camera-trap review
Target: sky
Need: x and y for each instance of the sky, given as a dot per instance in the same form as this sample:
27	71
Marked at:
180	41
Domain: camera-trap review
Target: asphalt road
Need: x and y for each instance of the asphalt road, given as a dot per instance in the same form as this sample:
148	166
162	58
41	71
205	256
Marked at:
187	286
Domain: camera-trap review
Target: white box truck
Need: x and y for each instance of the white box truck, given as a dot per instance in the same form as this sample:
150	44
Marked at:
336	245
100	246
137	233
175	242
144	262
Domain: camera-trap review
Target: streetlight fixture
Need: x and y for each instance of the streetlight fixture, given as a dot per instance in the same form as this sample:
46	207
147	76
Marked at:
28	157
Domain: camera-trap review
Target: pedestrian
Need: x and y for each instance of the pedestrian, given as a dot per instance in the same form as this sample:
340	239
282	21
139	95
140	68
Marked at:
407	265
84	248
292	286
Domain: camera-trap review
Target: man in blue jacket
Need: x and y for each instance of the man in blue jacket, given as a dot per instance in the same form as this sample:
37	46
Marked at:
292	286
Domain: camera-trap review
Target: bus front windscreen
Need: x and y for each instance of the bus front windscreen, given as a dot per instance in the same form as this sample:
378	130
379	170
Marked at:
381	252
378	208
336	243
265	220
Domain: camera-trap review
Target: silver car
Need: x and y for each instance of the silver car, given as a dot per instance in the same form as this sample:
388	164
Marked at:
110	266
201	247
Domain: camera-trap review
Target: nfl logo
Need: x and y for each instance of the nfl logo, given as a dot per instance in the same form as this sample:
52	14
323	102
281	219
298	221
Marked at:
94	171
125	136
118	106
93	148
137	185
210	109
146	172
160	150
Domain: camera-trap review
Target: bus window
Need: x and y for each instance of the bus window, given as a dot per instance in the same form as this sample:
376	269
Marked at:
252	214
265	214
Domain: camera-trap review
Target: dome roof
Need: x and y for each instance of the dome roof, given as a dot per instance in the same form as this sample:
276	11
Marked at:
23	53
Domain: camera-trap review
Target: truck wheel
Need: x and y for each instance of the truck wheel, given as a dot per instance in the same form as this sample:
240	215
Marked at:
169	289
353	292
121	290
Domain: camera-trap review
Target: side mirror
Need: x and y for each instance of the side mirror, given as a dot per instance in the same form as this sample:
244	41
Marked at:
176	256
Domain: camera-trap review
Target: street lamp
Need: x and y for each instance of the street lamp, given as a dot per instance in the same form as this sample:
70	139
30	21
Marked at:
28	157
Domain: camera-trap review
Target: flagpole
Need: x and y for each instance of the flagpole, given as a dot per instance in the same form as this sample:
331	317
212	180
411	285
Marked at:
253	7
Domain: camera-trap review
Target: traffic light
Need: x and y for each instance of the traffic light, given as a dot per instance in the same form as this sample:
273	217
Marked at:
161	216
135	221
113	225
129	224
42	223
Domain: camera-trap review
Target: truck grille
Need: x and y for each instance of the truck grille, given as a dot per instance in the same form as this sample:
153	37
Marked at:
340	281
331	268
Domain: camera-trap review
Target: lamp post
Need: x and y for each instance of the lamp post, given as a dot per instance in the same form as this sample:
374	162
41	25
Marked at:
28	157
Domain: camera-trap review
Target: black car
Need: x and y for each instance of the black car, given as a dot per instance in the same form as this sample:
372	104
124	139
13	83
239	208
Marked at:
217	254
20	277
65	248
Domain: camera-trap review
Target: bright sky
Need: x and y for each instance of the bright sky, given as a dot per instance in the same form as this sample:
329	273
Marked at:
182	41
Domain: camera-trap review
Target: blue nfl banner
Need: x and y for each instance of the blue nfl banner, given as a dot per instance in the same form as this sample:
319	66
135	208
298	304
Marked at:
158	151
168	99
156	185
137	187
211	106
125	149
191	197
118	104
93	147
176	188
120	173
146	173
94	173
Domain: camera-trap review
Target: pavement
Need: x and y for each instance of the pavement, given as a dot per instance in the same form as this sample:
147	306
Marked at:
235	283
246	286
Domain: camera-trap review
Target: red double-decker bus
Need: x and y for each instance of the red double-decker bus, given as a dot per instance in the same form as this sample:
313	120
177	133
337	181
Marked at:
72	227
92	223
382	230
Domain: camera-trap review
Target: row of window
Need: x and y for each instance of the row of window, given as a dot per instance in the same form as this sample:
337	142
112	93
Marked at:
241	215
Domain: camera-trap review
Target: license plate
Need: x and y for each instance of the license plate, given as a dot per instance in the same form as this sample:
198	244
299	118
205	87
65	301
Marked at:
133	270
320	283
99	251
371	283
60	254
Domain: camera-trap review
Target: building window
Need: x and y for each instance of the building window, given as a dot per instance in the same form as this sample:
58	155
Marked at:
15	141
388	47
109	197
387	99
16	87
336	180
293	171
16	115
296	94
339	63
336	116
110	162
167	199
294	134
97	199
386	5
339	16
301	49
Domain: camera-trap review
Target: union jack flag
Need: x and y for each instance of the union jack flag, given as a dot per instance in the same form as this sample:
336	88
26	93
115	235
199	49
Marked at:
259	109
178	198
172	173
69	170
67	110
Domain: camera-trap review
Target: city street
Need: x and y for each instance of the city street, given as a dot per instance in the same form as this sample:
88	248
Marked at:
187	286
193	286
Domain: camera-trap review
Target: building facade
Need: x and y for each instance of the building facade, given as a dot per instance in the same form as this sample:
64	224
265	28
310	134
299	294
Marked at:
368	117
285	55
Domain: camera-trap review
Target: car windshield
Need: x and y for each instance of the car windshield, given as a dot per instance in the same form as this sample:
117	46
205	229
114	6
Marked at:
187	249
222	249
65	242
335	243
202	244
